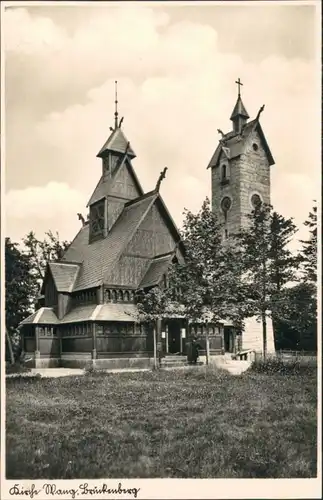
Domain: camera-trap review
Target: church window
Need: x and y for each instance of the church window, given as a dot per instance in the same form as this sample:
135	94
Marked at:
226	204
255	146
226	234
114	296
97	220
256	200
224	172
126	296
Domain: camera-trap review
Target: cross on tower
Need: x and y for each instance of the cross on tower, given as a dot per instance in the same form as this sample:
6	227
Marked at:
238	82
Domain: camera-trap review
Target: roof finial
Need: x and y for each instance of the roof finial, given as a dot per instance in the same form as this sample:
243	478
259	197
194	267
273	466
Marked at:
116	105
260	111
238	82
161	177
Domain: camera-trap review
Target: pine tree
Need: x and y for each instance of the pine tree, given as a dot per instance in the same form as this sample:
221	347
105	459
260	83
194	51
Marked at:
309	250
267	263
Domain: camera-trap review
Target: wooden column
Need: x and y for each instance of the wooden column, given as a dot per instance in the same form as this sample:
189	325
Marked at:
188	340
166	339
94	352
37	351
158	338
221	331
207	344
155	347
183	339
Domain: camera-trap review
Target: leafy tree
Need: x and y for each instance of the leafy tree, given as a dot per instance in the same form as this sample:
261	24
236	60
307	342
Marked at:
309	250
297	322
267	263
39	252
18	283
204	287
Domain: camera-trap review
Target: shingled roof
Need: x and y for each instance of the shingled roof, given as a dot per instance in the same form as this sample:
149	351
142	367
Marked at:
239	110
44	316
102	312
98	257
156	270
64	275
106	184
118	143
236	143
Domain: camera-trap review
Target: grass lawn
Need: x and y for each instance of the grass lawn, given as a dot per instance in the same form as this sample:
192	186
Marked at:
192	423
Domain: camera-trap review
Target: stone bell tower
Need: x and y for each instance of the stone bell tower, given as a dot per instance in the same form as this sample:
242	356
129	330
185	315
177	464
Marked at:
240	169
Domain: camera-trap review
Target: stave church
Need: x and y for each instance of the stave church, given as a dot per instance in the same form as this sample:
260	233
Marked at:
87	315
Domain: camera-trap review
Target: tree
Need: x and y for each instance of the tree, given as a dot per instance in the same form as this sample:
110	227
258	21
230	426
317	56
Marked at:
297	321
309	250
267	263
18	283
39	253
204	287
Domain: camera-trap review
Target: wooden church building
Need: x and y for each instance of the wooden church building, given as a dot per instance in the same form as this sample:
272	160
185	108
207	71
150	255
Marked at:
127	242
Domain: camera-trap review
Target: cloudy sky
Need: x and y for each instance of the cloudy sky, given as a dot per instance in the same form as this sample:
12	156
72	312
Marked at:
176	67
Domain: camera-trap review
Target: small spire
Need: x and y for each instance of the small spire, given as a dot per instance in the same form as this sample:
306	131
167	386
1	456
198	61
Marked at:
116	105
161	177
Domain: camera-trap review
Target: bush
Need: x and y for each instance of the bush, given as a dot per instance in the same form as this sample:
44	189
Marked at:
285	367
17	368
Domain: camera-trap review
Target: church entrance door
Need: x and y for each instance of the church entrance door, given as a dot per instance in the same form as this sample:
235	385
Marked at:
228	339
174	336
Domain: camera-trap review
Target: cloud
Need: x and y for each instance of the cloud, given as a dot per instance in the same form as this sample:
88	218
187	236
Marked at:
175	89
43	202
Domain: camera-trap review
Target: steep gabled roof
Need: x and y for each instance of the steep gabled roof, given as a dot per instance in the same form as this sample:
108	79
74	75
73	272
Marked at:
44	316
239	110
64	275
156	270
98	257
236	143
106	184
118	143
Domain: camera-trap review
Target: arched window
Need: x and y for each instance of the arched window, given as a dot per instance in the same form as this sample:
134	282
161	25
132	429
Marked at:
224	172
256	201
114	296
126	296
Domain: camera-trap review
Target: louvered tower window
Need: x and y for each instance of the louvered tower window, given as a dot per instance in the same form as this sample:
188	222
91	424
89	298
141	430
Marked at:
97	219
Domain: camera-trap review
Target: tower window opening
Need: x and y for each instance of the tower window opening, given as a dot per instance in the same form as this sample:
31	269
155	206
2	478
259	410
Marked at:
226	234
256	200
255	146
224	172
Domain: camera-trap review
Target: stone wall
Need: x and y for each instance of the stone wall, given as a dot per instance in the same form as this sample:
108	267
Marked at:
249	174
254	175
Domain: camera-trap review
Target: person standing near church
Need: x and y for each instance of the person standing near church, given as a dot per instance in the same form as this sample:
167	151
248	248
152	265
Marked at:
195	350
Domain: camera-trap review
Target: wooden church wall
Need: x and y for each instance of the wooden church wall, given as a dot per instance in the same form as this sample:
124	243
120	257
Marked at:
153	236
115	207
123	339
124	185
128	271
51	295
